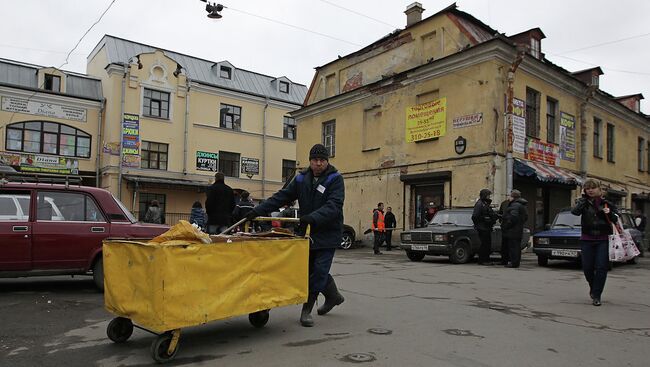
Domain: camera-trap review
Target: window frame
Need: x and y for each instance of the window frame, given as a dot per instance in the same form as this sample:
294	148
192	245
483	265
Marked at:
229	167
535	47
162	203
610	142
48	82
284	84
597	145
551	134
227	70
641	155
224	111
331	145
146	147
289	128
78	135
148	100
532	113
288	164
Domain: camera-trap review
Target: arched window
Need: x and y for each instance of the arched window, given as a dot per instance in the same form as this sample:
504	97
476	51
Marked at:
47	138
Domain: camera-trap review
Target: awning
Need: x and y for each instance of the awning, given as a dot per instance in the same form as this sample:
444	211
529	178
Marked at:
545	173
166	181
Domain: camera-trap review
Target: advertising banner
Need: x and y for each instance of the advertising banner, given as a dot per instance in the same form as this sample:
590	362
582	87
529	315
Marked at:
250	166
567	137
540	151
18	105
130	140
468	120
41	163
426	121
206	161
518	125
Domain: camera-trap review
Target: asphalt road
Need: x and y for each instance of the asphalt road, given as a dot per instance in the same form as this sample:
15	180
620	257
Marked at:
396	313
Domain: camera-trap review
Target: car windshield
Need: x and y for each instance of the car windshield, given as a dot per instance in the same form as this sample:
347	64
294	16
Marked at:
566	219
125	210
447	217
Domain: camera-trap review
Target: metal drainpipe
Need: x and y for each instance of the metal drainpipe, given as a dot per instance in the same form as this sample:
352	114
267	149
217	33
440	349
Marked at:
589	93
99	142
119	169
509	114
187	117
266	106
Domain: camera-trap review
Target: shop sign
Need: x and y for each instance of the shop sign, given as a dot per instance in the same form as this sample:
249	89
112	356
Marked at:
426	121
19	105
468	120
112	148
460	145
41	163
206	161
567	137
131	140
537	150
518	125
250	166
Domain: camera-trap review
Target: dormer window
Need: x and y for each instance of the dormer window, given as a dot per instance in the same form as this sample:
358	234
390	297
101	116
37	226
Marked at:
594	80
52	82
225	72
535	47
284	87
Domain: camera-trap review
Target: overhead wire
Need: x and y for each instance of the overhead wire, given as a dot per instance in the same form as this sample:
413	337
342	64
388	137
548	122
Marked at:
358	13
604	43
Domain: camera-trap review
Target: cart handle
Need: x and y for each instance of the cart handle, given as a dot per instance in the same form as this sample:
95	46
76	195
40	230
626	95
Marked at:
267	219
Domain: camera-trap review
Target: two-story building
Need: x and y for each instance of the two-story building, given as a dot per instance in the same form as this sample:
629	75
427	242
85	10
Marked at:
419	118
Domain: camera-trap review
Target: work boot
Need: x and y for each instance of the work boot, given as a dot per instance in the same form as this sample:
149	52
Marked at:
332	297
305	315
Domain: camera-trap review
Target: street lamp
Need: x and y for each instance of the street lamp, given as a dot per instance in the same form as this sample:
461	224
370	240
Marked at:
213	9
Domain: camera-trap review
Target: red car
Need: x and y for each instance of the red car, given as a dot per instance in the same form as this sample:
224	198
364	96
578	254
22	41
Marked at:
49	229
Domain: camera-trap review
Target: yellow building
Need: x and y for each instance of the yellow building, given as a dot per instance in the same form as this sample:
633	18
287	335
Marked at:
49	121
419	117
173	120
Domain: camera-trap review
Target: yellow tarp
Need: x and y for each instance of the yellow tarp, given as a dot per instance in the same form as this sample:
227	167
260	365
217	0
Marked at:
176	284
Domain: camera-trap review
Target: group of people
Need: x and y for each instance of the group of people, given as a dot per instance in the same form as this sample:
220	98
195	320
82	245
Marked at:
383	225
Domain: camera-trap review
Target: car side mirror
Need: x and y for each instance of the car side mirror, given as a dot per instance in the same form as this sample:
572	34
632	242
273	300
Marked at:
547	226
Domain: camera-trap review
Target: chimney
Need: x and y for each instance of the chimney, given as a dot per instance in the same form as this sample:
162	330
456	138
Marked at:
413	13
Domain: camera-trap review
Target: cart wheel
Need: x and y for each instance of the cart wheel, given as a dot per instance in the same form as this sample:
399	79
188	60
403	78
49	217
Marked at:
119	329
160	348
259	318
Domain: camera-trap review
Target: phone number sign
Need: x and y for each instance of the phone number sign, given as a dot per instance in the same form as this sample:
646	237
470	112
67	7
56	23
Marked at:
426	121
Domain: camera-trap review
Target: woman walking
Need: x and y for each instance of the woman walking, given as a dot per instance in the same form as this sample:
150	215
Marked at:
597	216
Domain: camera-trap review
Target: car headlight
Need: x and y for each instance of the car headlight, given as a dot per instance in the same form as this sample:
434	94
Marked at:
542	241
440	238
406	237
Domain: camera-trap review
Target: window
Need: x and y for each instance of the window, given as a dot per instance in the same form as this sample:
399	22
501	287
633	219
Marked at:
230	117
610	143
551	112
641	154
288	169
535	48
289	128
156	104
532	112
225	72
52	82
153	155
47	138
145	199
329	136
229	163
14	205
648	157
284	87
67	206
598	125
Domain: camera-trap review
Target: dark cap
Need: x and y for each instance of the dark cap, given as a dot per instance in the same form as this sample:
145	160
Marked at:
319	151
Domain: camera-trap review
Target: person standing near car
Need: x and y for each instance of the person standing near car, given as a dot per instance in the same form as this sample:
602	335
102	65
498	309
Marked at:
597	214
219	204
378	227
505	254
390	222
320	192
198	216
512	227
484	219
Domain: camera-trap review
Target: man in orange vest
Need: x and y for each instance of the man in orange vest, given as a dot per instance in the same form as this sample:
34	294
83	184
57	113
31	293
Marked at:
378	227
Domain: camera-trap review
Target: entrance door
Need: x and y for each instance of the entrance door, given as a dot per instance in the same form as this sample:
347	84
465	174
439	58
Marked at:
426	199
15	230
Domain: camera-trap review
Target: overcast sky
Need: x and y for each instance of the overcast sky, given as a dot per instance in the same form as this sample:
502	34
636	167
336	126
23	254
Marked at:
251	37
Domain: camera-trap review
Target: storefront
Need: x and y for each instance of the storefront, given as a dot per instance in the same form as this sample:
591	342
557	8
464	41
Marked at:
424	191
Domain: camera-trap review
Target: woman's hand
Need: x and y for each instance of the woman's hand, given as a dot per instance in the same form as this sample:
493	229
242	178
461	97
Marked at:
606	210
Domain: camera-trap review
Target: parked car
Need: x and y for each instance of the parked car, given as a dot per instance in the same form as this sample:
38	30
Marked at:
450	233
562	240
49	229
349	237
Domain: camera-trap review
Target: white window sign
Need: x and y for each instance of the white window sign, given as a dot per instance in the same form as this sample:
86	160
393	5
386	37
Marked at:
19	105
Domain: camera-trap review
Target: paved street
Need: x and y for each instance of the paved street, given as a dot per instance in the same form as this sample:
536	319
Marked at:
431	313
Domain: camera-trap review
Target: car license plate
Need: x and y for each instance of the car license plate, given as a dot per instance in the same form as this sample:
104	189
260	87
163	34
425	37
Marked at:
420	247
565	253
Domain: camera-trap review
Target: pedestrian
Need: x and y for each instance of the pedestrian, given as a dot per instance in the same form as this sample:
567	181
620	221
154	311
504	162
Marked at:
484	219
219	204
243	207
198	216
640	220
512	227
505	255
597	214
378	227
154	214
320	193
391	223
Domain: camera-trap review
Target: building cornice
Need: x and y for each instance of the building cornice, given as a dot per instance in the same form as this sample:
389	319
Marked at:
49	98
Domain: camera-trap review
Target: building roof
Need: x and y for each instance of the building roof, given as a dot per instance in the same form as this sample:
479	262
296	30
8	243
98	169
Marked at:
24	75
119	51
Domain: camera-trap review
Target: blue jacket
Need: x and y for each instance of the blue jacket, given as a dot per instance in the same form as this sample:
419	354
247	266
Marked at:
322	201
199	217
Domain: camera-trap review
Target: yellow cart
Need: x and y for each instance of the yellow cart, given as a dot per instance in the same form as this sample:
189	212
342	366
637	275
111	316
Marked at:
163	287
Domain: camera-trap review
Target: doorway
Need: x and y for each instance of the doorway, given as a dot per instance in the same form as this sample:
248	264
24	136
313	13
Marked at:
424	197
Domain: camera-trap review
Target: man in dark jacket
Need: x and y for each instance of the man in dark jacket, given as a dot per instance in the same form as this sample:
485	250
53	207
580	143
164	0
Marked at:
219	205
512	226
484	218
390	222
505	255
320	192
243	207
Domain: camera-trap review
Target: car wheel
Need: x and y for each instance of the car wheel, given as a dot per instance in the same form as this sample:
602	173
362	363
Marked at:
347	240
98	273
461	253
415	256
542	260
